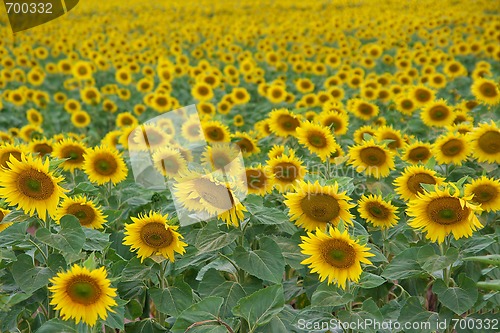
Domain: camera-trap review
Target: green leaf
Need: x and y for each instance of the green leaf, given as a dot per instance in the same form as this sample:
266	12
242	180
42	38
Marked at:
145	326
232	293
260	307
457	299
57	325
27	276
85	188
173	299
438	262
95	240
283	322
290	250
207	309
329	296
266	264
14	234
405	264
116	319
489	285
135	271
491	259
413	312
369	280
69	240
266	215
211	238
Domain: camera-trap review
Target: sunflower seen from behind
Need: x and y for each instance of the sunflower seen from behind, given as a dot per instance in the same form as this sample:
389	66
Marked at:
335	256
104	164
378	212
82	294
485	191
408	184
313	206
443	211
153	234
30	185
85	210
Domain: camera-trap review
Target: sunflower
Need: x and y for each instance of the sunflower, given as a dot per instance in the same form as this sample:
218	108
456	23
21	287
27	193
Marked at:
3	213
379	213
84	210
222	156
125	119
210	195
485	191
334	255
316	138
191	129
408	183
276	93
82	70
362	109
29	184
441	212
240	96
287	169
437	114
34	117
149	137
123	76
206	109
259	180
486	91
247	144
90	95
389	133
485	141
276	151
422	95
202	91
41	147
451	148
169	162
417	152
374	159
7	150
215	131
80	119
405	105
160	102
152	234
283	123
104	164
337	121
82	294
314	206
72	105
71	150
360	133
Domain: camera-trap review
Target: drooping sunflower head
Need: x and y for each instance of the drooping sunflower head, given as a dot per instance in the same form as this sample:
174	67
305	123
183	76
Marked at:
104	164
377	211
451	148
29	184
334	255
485	191
442	212
314	206
374	159
408	183
417	152
316	138
485	141
153	234
71	150
84	210
83	295
283	123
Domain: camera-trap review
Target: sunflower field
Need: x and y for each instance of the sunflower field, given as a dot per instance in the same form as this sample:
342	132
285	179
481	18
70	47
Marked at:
265	166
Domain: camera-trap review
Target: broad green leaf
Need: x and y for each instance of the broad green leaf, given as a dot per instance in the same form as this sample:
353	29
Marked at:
260	307
145	326
266	215
29	277
135	271
458	299
329	296
413	312
95	240
437	262
85	188
369	280
489	285
266	264
405	264
211	238
491	259
173	299
14	234
206	309
232	293
116	318
291	251
283	322
57	325
69	240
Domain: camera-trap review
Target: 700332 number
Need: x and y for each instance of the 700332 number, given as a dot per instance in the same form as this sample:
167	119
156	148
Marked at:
28	8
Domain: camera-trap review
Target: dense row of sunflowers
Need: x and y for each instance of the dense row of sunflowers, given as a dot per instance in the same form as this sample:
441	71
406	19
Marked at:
370	186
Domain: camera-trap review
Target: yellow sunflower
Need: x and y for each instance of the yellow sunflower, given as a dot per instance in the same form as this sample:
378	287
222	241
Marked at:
338	122
149	137
215	131
405	105
191	129
389	133
152	234
417	152
82	294
313	206
80	119
34	117
259	180
379	213
334	255
372	158
202	91
408	183
169	162
362	109
422	95
71	150
486	91
125	119
442	212
104	164
41	147
437	114
276	151
7	150
451	148
360	133
485	142
222	156
84	210
30	185
247	144
485	191
3	213
287	170
208	194
316	138
283	123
